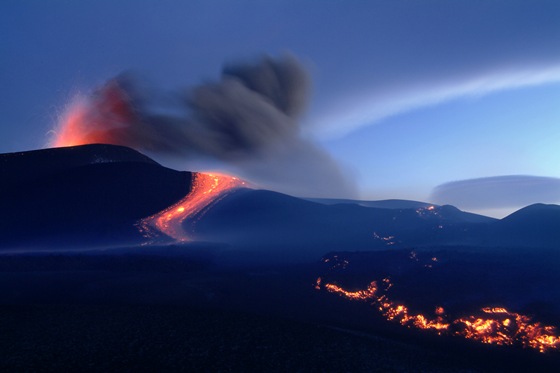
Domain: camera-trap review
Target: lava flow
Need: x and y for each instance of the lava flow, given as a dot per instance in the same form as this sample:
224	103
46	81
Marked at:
206	188
494	326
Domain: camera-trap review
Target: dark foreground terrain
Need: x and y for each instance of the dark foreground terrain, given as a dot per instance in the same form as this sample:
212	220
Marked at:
274	282
178	338
183	310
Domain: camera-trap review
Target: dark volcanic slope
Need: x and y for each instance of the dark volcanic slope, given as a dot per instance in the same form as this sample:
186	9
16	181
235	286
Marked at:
535	224
266	221
93	192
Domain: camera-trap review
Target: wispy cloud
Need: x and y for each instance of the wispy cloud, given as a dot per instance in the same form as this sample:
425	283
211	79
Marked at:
374	107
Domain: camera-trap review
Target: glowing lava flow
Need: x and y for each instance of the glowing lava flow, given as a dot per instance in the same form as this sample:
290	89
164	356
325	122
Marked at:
503	327
496	325
206	188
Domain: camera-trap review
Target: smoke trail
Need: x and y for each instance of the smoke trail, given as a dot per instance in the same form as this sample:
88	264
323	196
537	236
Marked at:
249	120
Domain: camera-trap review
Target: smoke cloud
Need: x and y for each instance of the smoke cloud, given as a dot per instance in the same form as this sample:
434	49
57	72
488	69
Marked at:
248	120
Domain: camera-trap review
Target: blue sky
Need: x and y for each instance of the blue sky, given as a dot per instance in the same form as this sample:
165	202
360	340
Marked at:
408	95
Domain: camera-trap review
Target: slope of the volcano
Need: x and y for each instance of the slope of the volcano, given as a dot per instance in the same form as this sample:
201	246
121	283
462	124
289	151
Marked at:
265	220
403	204
88	194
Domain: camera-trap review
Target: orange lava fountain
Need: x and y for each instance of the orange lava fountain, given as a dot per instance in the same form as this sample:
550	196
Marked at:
206	188
103	119
495	326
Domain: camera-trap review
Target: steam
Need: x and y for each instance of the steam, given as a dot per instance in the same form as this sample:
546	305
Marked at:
248	121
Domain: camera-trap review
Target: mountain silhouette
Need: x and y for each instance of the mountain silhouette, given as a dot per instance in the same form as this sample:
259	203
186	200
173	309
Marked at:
266	221
537	225
86	194
95	194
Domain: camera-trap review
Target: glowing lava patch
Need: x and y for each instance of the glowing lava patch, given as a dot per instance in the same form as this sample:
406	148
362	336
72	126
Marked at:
206	188
493	326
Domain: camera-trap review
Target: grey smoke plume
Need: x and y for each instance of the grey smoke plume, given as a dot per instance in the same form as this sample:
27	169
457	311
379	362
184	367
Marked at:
248	120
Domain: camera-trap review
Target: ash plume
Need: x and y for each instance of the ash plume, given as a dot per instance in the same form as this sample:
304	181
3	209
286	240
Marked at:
248	121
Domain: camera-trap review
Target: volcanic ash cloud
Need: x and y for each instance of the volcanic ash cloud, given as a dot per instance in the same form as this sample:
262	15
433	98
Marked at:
248	120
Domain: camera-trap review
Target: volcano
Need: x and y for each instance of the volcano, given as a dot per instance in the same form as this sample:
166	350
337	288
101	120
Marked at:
102	192
90	193
105	226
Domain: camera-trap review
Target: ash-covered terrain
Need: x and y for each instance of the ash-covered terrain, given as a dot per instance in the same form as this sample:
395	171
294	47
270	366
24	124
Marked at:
262	280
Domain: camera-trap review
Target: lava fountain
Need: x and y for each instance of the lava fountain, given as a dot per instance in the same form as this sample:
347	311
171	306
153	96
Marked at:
102	119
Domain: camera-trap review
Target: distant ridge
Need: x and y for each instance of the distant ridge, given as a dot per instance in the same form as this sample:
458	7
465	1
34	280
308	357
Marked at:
537	213
451	212
274	222
382	204
535	224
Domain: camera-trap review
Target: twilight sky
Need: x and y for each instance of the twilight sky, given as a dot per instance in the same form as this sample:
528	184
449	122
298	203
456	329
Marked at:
442	101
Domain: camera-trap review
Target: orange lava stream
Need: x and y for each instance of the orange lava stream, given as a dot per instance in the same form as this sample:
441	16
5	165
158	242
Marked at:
369	293
206	188
498	326
506	328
